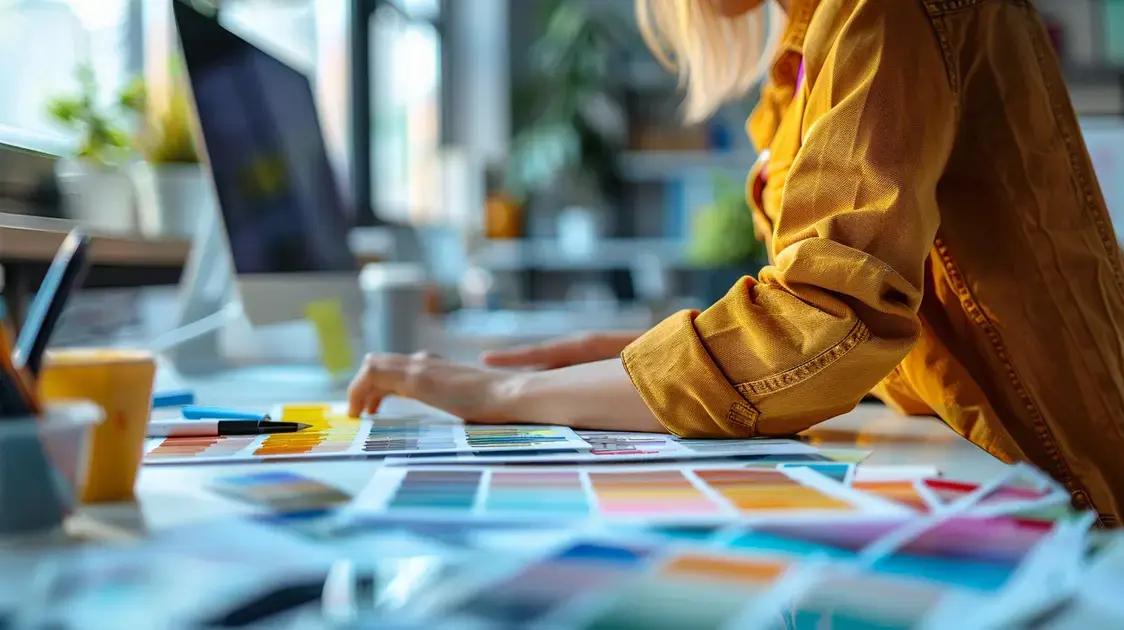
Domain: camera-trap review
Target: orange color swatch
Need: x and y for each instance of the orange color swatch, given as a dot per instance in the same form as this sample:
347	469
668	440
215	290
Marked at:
329	433
708	567
209	446
651	493
768	491
903	492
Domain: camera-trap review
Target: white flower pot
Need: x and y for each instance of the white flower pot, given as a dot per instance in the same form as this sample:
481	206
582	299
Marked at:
171	197
100	198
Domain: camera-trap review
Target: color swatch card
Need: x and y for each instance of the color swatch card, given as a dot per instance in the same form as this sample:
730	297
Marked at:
333	434
612	446
998	540
843	473
1005	499
330	435
281	491
609	584
844	598
913	494
603	583
972	554
659	495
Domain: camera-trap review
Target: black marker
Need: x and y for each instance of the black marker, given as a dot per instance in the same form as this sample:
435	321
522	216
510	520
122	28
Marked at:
206	428
67	272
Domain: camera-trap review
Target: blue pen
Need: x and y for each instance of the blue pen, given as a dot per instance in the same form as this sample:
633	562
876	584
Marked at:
192	412
173	398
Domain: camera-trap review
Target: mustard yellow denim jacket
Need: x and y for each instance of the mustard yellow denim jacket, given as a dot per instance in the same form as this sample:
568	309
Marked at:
936	235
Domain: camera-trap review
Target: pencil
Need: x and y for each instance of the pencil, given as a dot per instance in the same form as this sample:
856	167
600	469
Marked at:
64	276
17	391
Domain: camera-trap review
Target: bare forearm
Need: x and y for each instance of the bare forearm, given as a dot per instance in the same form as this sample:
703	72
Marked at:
596	395
614	342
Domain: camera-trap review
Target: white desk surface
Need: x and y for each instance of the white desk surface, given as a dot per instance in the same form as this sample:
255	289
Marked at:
173	495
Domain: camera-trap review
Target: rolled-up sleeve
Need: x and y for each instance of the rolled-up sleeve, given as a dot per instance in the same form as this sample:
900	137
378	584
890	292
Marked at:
837	310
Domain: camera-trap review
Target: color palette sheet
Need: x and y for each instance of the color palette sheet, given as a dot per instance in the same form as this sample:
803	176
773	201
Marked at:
618	494
936	495
973	554
611	446
1008	498
848	599
333	434
913	494
607	584
281	491
602	583
999	540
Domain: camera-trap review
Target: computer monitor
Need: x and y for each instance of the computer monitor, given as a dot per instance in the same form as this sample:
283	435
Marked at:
285	220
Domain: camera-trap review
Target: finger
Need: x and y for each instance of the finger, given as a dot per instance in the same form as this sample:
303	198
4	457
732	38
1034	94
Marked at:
380	372
357	393
357	402
371	404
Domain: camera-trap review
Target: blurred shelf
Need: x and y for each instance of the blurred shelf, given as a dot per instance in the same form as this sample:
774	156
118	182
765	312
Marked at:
1093	74
664	165
646	74
36	239
548	254
1097	98
524	326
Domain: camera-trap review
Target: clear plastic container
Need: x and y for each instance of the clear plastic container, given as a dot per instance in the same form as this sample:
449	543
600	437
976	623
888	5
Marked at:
43	464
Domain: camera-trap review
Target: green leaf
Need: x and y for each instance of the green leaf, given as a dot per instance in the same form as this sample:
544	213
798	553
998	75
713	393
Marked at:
134	96
116	138
67	111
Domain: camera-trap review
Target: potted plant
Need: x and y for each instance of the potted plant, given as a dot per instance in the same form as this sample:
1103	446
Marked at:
569	127
723	244
96	188
171	184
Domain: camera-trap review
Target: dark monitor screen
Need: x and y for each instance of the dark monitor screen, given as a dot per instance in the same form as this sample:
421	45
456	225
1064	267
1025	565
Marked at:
277	191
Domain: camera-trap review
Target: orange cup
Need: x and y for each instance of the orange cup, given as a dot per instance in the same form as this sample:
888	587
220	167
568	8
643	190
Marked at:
120	381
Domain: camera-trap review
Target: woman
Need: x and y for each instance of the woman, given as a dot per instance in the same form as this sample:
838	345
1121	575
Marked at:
936	236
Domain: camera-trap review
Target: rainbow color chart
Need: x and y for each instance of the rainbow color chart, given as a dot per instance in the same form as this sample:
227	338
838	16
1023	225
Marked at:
333	434
663	495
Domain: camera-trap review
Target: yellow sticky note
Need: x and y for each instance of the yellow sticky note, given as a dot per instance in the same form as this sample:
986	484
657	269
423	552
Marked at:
313	414
331	328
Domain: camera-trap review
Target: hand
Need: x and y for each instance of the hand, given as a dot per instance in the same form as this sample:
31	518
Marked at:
472	393
560	353
596	395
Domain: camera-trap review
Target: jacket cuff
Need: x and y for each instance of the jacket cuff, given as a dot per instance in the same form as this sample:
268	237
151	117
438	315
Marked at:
681	384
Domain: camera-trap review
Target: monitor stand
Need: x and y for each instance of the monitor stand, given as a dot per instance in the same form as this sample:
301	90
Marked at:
207	302
191	353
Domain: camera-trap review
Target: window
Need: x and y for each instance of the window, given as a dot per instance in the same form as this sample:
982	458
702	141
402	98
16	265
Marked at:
406	114
312	35
42	42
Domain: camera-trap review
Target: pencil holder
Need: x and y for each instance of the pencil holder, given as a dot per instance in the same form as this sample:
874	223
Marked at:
42	466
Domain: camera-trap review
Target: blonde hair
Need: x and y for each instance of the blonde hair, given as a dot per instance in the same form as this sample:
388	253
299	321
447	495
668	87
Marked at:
718	58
